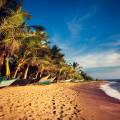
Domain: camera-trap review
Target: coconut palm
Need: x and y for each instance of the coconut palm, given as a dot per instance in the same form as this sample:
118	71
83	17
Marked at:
30	48
17	35
56	55
26	47
8	33
6	6
2	3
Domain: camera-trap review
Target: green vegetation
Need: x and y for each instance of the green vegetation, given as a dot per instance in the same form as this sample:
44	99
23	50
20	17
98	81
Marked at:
25	51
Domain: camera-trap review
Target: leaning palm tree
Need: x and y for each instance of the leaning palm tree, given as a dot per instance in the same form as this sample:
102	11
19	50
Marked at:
16	34
6	6
30	48
56	55
8	31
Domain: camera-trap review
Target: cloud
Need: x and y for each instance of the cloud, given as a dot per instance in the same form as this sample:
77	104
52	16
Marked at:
104	72
66	46
116	43
102	59
56	39
115	36
71	46
110	73
76	24
74	27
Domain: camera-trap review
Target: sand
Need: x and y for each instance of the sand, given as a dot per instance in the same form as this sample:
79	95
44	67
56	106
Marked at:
62	101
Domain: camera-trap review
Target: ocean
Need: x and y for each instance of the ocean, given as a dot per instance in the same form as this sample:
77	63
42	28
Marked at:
112	88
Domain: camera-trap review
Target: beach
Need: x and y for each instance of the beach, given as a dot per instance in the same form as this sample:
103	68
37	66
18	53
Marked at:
59	101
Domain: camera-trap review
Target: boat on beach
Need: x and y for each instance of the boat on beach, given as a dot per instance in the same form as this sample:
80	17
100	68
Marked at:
64	81
45	80
4	82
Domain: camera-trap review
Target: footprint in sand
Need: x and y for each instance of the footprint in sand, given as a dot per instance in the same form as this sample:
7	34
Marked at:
2	115
1	108
54	107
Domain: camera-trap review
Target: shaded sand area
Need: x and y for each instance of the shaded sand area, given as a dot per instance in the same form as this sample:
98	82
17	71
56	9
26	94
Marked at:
62	101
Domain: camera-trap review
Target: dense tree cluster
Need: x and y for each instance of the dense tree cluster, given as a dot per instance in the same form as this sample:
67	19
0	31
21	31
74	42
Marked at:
25	51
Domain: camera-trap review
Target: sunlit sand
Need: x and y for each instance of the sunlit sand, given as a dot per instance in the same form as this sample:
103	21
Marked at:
62	101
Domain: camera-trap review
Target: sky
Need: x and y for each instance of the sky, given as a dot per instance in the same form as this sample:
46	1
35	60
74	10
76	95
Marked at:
87	31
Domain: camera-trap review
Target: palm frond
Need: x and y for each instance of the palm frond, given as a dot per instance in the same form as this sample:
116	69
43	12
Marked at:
2	3
15	20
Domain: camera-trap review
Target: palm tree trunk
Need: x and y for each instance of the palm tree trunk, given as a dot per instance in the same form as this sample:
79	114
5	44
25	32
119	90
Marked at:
17	69
26	72
36	75
7	68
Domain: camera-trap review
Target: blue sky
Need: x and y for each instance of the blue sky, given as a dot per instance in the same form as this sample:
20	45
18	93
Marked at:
88	31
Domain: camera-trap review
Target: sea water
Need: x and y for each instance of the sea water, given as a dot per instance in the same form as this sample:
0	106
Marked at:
112	88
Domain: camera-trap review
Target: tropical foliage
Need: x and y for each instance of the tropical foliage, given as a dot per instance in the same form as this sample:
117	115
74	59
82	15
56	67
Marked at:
25	51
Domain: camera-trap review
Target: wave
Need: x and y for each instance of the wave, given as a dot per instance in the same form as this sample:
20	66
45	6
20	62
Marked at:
110	91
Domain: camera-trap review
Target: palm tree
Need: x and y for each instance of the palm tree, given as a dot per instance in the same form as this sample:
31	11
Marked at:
75	65
6	6
25	47
19	39
2	3
8	33
30	48
56	55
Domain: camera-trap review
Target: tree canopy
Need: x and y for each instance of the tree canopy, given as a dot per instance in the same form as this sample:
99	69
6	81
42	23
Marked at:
25	48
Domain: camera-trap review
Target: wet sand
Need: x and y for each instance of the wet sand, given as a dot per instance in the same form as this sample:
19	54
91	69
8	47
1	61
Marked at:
96	104
62	101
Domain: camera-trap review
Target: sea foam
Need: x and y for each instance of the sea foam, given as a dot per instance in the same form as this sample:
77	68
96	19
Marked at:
110	91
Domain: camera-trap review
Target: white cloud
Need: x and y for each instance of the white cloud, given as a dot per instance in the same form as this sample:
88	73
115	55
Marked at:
102	59
117	43
74	27
76	24
56	39
104	72
111	44
114	74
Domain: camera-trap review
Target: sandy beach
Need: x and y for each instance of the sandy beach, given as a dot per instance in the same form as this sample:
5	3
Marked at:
62	101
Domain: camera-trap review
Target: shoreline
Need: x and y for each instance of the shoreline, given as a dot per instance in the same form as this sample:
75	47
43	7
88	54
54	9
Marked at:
61	101
108	90
98	102
97	87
